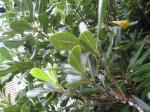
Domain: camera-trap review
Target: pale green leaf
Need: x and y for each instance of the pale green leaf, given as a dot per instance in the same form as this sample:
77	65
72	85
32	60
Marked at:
40	74
88	42
5	53
74	57
64	41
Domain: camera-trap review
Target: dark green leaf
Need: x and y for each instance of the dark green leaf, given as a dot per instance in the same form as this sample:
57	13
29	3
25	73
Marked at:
25	108
104	10
141	70
69	19
64	102
88	91
55	19
13	43
142	58
76	84
43	18
20	26
135	57
102	33
8	70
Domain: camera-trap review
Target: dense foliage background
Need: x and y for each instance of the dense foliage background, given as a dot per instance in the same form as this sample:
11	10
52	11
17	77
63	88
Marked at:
71	58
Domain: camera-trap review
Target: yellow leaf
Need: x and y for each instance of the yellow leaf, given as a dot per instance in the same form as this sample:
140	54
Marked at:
123	23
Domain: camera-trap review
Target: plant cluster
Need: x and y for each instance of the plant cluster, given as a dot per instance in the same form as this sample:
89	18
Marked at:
73	56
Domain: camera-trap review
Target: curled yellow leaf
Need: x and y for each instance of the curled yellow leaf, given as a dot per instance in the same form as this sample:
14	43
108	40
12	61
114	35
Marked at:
123	23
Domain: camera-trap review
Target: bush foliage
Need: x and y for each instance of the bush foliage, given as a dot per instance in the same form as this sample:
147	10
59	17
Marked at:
76	55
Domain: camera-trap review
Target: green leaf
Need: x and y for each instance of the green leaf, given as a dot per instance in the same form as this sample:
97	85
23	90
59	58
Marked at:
53	75
64	41
88	91
5	53
43	18
8	70
43	5
88	42
102	33
55	19
40	74
145	55
23	66
135	57
25	108
69	19
9	4
76	84
74	57
12	108
20	26
13	43
30	6
141	70
109	51
47	75
104	10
